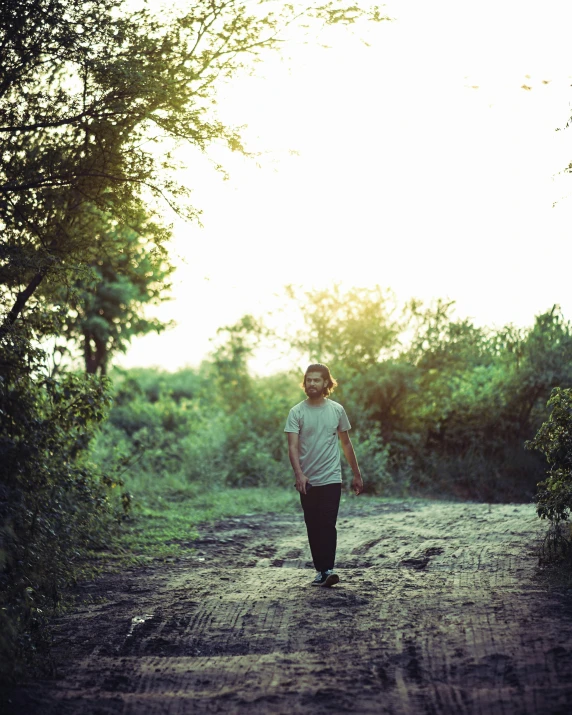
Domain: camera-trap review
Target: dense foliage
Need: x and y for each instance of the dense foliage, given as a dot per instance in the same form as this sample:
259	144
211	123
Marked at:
451	402
554	496
554	440
54	502
438	405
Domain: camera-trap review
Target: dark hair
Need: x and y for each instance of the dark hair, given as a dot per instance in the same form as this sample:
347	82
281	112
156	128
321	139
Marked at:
324	371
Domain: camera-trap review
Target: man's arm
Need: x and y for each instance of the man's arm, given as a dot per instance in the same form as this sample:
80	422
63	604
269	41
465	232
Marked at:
347	446
294	454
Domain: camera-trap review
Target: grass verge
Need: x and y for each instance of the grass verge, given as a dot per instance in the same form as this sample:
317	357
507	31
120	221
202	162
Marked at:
162	526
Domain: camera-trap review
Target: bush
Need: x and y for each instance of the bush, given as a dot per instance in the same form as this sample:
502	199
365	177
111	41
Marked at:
160	439
373	458
54	503
251	464
554	441
162	445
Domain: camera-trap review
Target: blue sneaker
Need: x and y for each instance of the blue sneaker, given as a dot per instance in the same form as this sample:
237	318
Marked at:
330	578
326	578
319	580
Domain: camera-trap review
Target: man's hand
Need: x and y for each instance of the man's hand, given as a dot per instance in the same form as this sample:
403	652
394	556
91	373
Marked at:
301	481
357	484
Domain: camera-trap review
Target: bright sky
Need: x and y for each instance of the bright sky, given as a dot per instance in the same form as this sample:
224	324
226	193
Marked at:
428	162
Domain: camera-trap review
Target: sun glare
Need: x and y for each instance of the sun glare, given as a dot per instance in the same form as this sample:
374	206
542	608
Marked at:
426	161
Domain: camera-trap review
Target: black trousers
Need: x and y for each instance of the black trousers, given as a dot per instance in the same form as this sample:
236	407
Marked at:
320	507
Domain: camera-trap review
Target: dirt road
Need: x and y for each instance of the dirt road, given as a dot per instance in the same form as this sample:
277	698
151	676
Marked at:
438	611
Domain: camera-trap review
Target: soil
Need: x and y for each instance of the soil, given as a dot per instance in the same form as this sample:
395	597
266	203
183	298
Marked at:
439	610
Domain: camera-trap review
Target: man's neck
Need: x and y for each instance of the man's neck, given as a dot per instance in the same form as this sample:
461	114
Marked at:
316	401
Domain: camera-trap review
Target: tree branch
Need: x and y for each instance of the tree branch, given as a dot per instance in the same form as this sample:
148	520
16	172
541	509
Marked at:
21	301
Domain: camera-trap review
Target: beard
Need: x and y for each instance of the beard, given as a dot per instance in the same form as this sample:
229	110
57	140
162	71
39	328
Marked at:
313	392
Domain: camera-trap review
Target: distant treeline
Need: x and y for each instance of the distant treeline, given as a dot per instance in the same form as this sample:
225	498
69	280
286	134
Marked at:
438	406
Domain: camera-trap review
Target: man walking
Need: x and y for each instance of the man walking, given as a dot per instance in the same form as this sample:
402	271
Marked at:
313	427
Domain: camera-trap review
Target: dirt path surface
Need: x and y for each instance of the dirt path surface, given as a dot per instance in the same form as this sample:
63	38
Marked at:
438	611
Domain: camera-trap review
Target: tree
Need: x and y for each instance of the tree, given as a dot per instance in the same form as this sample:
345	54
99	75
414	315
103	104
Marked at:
353	328
237	344
107	307
95	100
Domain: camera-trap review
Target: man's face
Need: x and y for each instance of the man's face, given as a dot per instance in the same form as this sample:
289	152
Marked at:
315	384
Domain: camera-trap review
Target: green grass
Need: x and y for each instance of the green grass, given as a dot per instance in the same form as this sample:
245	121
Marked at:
162	526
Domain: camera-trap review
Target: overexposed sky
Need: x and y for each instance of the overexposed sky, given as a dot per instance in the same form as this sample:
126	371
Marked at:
427	162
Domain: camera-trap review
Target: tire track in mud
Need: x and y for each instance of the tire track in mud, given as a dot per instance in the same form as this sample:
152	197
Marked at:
438	611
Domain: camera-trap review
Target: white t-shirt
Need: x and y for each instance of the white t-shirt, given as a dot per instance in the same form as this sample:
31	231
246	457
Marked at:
318	428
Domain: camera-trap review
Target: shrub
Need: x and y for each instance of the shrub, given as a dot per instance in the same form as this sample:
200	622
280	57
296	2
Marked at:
54	503
554	441
373	458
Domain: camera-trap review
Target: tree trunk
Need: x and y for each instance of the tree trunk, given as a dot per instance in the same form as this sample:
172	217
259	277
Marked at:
21	301
95	354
